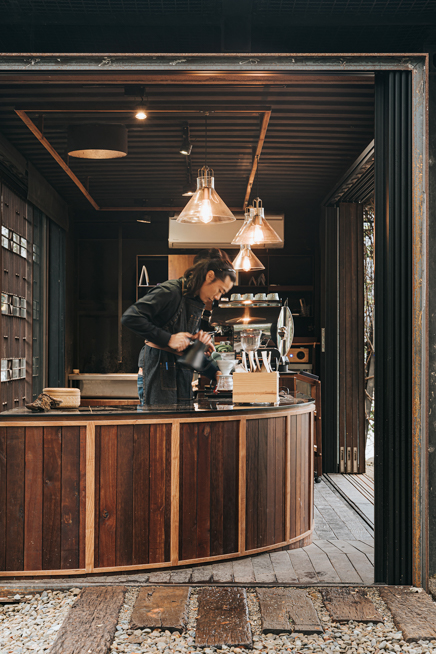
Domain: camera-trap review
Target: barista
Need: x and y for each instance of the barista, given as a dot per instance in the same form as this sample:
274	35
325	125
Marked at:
169	316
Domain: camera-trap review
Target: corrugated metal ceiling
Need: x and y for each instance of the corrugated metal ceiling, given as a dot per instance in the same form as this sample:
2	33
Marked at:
315	132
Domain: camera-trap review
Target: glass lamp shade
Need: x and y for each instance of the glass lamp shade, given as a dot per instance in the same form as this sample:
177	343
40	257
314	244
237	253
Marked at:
206	206
257	230
98	141
249	213
247	260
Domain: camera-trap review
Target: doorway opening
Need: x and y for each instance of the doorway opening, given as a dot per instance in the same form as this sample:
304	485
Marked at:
320	150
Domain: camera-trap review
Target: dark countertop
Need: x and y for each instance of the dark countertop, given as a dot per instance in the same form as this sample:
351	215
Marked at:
201	406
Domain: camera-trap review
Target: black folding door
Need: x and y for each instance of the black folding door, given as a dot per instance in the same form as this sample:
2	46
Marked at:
393	328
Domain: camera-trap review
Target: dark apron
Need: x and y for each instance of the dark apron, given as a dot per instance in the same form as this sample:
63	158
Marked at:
164	382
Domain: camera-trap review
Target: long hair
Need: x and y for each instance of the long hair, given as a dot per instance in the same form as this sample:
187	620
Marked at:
213	259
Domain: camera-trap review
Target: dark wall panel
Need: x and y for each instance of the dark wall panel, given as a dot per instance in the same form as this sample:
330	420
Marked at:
56	306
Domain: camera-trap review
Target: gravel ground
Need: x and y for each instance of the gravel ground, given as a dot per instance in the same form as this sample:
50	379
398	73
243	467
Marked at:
31	626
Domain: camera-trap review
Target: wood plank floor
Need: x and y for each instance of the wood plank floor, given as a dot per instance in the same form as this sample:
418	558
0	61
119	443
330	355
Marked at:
357	491
342	552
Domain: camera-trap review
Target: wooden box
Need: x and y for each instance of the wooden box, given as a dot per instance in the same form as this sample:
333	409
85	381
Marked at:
256	387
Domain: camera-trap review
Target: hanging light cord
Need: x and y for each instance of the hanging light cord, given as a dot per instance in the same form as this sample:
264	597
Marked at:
257	176
205	141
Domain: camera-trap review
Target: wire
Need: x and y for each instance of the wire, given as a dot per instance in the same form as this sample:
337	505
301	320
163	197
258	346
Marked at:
205	140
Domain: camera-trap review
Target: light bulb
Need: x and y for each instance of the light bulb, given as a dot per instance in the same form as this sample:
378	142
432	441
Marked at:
206	212
246	265
257	234
140	114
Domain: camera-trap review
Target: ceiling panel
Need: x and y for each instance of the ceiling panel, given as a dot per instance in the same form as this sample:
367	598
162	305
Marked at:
314	134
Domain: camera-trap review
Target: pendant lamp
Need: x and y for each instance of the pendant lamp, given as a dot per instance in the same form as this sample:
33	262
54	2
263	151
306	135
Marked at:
249	213
100	141
257	230
206	206
247	260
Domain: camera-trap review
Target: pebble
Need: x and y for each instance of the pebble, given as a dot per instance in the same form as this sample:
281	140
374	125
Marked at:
31	626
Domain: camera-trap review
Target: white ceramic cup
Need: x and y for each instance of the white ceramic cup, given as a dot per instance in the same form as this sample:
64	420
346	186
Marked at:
273	297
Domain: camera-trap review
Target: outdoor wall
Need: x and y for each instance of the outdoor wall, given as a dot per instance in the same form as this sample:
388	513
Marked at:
432	322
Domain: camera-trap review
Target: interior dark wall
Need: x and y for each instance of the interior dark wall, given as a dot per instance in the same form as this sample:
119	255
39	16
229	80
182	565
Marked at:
95	279
70	300
56	305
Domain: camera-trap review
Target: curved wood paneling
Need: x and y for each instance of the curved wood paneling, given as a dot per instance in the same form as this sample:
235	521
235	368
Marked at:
42	498
208	489
133	503
109	495
265	484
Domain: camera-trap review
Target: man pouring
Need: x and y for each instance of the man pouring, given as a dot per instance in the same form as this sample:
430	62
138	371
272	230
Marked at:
169	317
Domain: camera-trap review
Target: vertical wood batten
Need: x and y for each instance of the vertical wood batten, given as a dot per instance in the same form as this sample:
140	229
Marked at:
311	465
90	496
175	481
33	498
82	491
14	533
70	497
242	483
288	480
51	519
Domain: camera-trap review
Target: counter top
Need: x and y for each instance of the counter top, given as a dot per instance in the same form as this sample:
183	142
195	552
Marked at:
201	406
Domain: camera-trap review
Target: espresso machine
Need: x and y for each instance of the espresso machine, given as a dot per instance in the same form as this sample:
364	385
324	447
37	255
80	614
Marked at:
274	320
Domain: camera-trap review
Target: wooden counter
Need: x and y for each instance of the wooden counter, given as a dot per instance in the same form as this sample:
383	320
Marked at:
93	493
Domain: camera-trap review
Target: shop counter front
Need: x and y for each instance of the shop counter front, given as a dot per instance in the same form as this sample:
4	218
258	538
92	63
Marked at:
133	488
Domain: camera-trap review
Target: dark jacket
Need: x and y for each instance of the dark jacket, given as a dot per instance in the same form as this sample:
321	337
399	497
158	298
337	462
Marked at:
148	315
151	313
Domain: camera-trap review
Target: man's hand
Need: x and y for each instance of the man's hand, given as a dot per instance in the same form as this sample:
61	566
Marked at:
180	341
206	338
